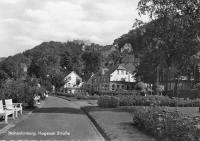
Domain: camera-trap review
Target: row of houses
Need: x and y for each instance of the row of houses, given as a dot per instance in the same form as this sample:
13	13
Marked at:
117	78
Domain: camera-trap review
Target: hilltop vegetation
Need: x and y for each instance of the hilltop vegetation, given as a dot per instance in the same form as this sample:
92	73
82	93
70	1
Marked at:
50	58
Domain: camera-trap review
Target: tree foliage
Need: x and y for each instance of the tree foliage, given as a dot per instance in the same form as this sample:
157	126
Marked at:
175	27
168	40
91	63
57	79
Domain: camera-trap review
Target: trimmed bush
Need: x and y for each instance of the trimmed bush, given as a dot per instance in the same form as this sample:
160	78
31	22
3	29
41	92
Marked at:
65	94
108	102
162	124
87	97
133	100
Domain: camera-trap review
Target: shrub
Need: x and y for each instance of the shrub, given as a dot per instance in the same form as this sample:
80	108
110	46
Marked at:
29	97
108	102
40	91
133	100
166	125
65	94
83	95
19	91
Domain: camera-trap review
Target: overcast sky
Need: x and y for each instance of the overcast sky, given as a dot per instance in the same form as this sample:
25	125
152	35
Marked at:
27	23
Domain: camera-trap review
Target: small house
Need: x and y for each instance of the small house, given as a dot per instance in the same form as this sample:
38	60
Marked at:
73	82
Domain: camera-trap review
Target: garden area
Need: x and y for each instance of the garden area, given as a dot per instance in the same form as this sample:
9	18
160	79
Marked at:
150	117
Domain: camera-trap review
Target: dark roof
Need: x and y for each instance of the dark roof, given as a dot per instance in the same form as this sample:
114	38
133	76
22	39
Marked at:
111	70
93	76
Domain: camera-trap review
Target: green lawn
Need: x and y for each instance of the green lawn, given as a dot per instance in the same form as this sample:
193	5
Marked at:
117	124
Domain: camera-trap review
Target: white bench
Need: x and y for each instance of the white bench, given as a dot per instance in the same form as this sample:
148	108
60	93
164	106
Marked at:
5	113
17	107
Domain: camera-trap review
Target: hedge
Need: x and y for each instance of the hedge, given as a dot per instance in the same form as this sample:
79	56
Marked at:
133	100
171	126
108	102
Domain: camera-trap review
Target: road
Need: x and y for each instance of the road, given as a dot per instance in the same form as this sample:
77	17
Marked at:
58	119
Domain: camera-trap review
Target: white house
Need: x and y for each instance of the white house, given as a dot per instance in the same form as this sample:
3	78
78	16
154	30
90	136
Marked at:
120	77
122	74
73	82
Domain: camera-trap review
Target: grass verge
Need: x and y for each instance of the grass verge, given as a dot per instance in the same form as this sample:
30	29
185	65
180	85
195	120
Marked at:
86	110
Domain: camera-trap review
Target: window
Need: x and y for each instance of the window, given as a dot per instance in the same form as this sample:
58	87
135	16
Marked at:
113	87
117	86
117	71
126	73
127	87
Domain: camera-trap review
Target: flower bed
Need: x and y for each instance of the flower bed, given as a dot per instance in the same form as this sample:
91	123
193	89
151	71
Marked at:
166	125
133	100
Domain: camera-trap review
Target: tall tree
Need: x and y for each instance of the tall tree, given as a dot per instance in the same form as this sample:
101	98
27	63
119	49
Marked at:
66	62
57	79
92	63
175	28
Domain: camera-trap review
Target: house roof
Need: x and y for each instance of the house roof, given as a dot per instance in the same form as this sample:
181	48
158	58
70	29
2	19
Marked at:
74	73
129	67
111	70
90	79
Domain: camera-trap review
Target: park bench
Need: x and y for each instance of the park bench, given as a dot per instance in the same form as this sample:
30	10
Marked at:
5	112
17	107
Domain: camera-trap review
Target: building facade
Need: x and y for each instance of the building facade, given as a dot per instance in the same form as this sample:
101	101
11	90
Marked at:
73	82
119	78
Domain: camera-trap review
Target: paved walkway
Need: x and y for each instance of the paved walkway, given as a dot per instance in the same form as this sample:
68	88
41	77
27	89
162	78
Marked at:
58	119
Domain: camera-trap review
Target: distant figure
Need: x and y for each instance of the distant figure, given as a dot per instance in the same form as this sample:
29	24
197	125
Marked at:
37	99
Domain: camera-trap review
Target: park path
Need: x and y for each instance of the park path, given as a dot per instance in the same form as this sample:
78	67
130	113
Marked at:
58	119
